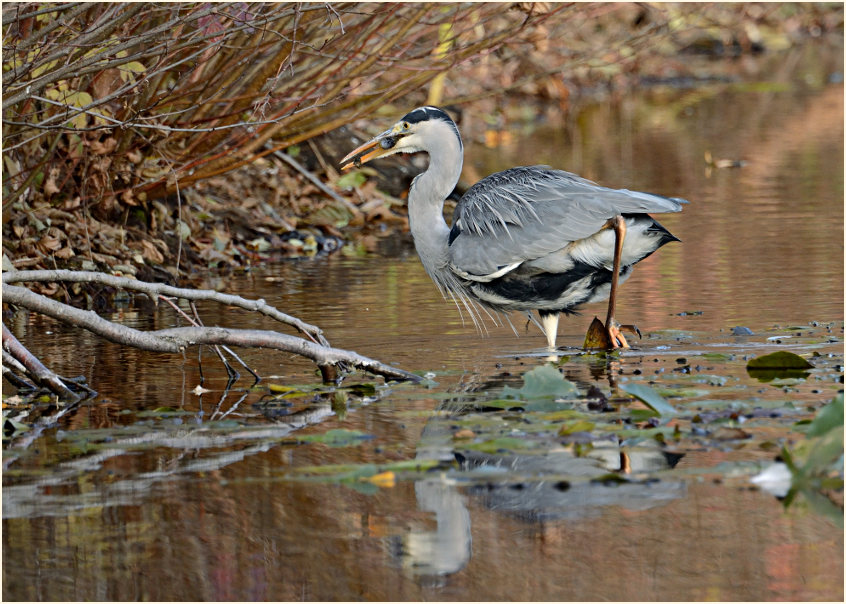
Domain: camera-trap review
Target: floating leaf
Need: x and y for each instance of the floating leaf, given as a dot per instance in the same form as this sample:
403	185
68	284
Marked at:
279	388
383	479
779	360
729	433
338	438
499	445
576	426
543	382
650	398
259	244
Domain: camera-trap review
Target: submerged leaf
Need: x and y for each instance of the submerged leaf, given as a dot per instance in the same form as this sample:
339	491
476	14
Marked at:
650	398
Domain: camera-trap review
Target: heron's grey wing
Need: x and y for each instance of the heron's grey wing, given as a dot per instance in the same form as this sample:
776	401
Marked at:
526	213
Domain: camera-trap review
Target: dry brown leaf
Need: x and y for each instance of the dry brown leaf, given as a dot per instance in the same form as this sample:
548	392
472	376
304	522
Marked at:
65	253
50	186
129	198
51	241
72	204
149	251
104	147
48	289
105	83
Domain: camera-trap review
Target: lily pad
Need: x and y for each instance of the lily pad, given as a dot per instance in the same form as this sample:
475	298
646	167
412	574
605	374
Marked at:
782	359
650	398
579	425
499	445
542	382
338	438
778	365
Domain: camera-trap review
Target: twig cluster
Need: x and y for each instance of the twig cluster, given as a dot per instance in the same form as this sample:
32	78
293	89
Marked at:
116	104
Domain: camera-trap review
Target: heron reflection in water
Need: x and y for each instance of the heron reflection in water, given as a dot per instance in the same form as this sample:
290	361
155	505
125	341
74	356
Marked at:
525	239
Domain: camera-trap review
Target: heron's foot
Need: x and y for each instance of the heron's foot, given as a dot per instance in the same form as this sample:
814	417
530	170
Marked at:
616	337
608	337
615	333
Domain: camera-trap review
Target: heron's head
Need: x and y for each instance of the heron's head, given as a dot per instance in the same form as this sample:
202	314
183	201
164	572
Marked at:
424	129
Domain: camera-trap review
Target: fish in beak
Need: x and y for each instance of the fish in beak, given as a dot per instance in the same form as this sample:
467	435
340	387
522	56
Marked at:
379	146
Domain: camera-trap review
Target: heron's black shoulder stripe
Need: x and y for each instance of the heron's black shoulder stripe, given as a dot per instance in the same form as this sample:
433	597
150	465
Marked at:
454	232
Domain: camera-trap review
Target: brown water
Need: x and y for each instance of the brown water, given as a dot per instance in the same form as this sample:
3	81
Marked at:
123	502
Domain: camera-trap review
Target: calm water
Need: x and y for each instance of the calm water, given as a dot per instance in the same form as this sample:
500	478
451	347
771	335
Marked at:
121	503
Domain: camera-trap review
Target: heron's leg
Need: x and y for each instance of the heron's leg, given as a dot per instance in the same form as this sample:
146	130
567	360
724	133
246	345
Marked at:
618	223
550	327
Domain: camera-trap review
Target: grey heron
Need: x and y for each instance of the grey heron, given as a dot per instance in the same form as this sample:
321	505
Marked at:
524	239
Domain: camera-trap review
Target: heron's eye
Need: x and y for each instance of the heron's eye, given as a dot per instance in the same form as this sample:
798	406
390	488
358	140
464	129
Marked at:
405	126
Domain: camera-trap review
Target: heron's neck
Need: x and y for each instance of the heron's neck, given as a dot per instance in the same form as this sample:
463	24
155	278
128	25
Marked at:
426	206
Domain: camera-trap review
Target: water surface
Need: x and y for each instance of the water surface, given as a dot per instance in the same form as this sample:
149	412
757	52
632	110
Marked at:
152	492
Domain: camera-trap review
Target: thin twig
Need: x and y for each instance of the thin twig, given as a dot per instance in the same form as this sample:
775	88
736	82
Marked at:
316	181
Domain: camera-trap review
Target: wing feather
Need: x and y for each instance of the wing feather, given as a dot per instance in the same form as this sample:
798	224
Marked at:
526	213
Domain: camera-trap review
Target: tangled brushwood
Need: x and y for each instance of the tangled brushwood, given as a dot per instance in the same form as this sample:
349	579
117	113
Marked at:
112	111
114	114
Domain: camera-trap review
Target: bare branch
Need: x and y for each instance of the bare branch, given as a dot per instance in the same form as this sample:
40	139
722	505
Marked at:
35	368
176	339
153	290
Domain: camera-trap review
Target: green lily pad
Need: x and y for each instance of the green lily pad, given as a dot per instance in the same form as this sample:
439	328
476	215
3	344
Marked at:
781	365
338	438
779	360
543	382
579	425
650	398
498	445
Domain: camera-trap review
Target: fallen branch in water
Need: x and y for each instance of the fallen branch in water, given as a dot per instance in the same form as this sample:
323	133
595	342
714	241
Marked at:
19	364
153	290
175	339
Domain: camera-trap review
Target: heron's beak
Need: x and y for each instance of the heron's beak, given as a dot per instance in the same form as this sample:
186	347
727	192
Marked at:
377	147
